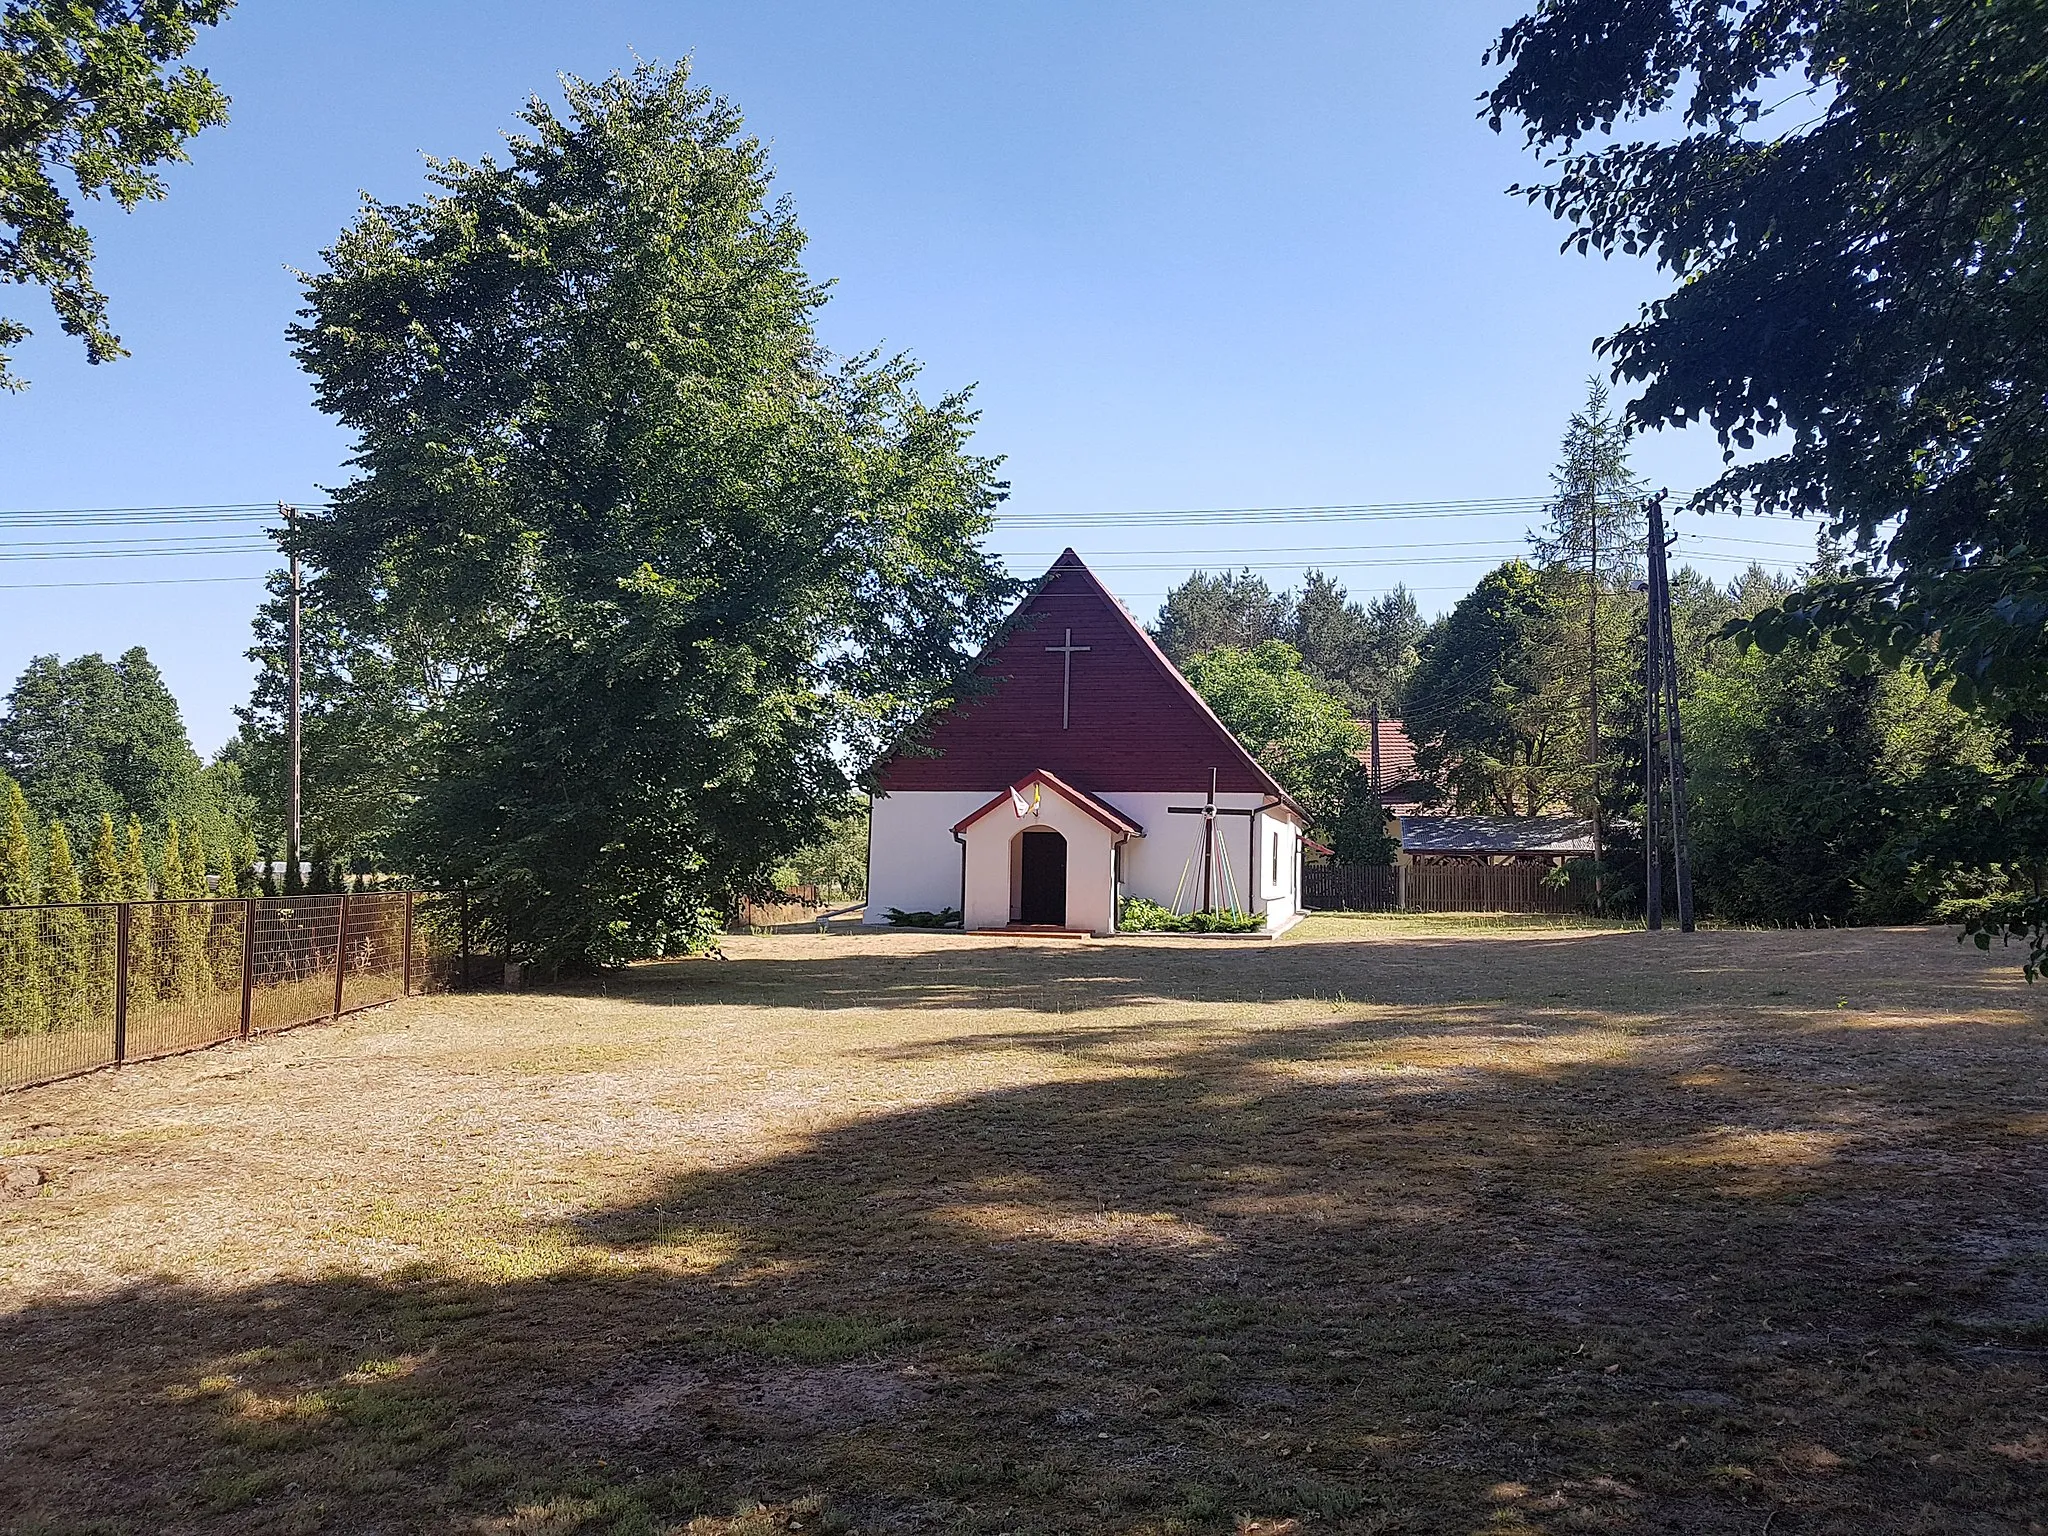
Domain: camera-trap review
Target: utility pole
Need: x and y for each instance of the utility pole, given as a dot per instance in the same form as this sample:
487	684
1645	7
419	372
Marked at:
1375	749
1653	838
291	842
1593	680
1674	751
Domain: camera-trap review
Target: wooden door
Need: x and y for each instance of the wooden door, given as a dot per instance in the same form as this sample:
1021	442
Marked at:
1042	893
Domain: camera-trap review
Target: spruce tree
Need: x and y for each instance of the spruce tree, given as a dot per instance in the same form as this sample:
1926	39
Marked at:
267	882
67	938
22	1009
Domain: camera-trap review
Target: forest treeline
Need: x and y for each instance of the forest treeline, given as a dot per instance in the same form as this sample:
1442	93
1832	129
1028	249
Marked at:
1821	789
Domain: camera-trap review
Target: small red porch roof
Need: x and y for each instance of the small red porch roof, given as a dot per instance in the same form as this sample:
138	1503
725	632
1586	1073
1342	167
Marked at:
1080	799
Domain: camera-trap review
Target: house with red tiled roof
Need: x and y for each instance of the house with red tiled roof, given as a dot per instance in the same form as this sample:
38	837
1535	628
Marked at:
1078	767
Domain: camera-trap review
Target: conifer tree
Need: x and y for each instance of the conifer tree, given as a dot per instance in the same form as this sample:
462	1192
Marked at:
142	947
105	883
267	882
223	923
67	940
19	886
180	962
22	1008
135	866
104	880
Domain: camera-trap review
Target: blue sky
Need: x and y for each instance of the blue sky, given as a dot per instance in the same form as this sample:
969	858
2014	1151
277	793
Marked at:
1193	256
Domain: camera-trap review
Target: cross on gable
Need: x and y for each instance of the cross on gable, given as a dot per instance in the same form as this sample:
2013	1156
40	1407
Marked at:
1066	654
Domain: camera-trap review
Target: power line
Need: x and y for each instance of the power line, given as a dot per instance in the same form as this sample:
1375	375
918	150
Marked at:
142	581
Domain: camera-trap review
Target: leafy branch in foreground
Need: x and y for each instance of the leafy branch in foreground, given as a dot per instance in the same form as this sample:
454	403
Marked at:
1846	194
84	93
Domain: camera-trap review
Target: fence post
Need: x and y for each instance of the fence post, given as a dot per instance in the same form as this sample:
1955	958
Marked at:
1400	887
248	960
462	945
408	943
122	916
340	952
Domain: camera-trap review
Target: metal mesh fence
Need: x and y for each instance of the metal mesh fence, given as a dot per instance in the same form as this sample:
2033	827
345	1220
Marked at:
373	937
184	975
86	986
57	991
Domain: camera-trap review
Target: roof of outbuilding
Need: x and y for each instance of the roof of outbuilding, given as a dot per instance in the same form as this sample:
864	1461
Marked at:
1496	834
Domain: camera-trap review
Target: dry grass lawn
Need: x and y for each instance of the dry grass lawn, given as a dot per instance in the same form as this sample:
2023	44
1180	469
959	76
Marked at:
1393	1226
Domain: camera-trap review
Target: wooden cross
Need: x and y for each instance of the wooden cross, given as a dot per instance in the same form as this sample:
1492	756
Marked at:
1209	810
1066	654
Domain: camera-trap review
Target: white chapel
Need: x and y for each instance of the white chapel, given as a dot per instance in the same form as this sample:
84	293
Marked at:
1083	770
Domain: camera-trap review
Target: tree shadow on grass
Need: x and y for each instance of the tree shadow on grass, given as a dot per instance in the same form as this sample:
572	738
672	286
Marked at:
1281	1273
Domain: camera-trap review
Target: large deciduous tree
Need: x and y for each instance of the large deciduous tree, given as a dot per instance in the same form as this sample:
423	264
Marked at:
1847	194
663	570
90	737
89	104
1303	734
1486	731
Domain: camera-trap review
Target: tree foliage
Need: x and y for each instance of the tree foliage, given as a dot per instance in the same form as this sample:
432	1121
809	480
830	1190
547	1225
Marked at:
1595	521
88	99
1302	734
1360	653
659	568
1819	793
91	738
1847	197
1481	733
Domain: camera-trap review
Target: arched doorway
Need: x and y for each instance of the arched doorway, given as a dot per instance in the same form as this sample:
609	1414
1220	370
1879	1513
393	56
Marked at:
1042	877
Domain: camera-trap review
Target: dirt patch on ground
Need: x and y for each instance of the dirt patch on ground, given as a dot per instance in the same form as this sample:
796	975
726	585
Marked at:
1416	1226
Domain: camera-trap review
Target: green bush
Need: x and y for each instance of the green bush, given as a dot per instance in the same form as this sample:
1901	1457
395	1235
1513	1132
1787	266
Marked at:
948	917
1138	913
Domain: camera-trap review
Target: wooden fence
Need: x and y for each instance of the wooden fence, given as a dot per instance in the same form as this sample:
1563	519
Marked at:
1447	888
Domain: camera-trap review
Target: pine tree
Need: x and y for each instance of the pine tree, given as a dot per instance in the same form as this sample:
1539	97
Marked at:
67	939
142	945
267	882
22	1006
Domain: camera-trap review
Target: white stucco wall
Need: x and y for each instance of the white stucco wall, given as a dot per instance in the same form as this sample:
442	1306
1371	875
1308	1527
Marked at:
913	862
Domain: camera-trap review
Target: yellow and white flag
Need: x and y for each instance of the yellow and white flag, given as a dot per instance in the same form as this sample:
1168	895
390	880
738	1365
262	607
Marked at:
1022	806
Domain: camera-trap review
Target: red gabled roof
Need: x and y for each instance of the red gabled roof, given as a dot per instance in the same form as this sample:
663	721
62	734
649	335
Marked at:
1080	799
1135	724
